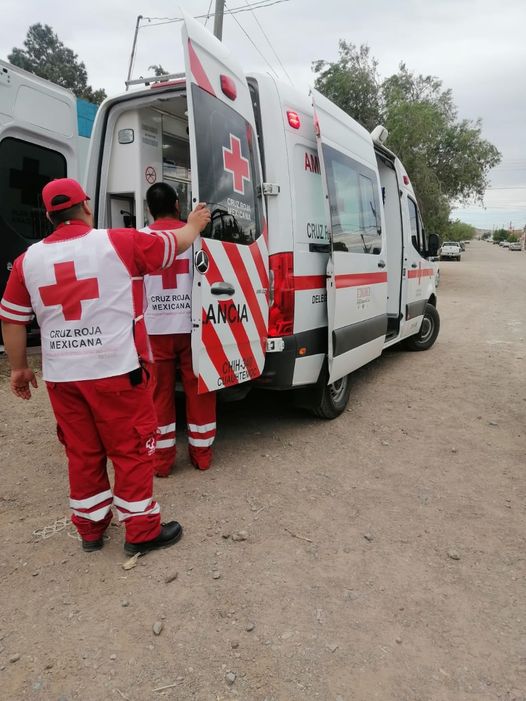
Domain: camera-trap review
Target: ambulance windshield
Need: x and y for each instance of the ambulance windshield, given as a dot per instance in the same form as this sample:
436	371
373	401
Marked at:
227	170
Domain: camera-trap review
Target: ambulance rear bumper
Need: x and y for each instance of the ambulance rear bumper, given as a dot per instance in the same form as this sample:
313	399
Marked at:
278	372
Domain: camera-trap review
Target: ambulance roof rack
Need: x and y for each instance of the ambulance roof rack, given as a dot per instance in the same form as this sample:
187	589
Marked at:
154	79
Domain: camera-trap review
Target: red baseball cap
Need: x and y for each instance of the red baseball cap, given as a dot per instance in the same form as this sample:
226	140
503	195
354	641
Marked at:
62	188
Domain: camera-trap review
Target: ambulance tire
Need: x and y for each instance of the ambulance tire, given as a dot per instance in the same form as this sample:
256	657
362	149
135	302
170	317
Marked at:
334	397
323	400
428	333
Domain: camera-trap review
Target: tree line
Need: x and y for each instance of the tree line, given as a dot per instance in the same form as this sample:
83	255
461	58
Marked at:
446	157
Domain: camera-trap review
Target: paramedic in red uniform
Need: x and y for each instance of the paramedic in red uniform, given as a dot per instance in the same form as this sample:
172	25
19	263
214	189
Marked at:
168	319
85	287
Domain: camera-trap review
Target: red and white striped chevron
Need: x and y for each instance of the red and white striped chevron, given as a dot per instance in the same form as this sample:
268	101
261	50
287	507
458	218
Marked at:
234	330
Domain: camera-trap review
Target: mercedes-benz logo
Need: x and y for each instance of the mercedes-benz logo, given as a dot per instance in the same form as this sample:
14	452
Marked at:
201	261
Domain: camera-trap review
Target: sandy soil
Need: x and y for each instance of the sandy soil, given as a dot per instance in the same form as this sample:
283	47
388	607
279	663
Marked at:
385	556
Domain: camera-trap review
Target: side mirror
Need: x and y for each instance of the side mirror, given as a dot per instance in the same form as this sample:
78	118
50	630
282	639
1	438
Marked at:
434	245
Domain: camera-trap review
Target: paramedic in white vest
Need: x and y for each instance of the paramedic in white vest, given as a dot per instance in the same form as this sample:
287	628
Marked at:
168	319
85	287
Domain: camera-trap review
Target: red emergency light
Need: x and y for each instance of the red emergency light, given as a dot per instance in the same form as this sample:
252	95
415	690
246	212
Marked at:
406	180
294	119
228	87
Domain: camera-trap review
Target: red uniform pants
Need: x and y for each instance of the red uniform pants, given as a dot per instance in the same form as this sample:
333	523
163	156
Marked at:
170	351
109	418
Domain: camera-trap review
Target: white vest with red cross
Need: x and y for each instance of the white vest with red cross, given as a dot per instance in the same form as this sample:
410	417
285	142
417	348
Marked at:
81	293
169	295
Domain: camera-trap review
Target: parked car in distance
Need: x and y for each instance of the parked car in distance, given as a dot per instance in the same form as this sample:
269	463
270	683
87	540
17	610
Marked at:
450	251
515	246
504	244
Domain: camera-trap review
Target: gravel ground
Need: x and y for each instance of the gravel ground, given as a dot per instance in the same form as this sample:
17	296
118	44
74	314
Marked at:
384	555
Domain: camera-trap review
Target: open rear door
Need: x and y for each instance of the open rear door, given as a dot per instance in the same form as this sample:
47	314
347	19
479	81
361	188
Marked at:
230	289
356	271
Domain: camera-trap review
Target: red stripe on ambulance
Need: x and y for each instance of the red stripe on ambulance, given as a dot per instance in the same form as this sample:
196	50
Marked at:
215	352
260	265
422	272
309	282
359	279
243	342
246	286
198	71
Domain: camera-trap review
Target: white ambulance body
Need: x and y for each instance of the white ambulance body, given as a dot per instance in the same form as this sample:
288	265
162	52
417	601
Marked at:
44	131
316	259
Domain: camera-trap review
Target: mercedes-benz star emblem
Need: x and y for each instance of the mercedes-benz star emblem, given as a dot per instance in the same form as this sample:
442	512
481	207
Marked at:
201	261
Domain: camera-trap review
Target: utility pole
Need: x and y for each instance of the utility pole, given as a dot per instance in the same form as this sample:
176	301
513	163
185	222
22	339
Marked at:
132	57
218	19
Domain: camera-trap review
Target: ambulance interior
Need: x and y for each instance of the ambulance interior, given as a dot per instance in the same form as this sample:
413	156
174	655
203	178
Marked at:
148	143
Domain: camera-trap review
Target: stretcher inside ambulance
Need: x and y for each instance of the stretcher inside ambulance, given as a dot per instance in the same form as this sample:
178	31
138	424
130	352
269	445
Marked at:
316	258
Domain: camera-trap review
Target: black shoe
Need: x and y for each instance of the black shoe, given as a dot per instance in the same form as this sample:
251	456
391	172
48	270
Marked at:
170	533
89	546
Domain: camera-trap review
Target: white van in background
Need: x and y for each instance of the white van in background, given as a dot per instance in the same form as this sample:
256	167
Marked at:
316	258
44	134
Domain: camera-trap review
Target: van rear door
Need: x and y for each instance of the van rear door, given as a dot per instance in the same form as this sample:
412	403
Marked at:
356	271
230	289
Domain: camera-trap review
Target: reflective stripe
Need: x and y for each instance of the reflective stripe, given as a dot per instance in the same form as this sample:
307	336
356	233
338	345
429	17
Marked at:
132	505
15	317
202	428
123	516
138	318
166	443
90	501
166	241
15	307
200	442
174	247
167	429
97	515
137	277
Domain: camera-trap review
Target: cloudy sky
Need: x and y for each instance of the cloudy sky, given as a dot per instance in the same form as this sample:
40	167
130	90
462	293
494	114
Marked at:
476	47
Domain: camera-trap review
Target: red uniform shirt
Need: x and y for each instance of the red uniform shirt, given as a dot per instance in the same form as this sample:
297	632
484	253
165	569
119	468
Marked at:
141	254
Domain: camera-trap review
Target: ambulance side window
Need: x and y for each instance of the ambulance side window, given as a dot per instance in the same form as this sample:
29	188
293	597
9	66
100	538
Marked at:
417	232
227	170
354	204
24	170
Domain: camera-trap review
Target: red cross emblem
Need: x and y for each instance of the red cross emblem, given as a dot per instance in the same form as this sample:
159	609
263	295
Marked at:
69	292
169	275
234	162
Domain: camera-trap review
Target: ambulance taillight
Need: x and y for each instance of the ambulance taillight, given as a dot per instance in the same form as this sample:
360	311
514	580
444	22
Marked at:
281	315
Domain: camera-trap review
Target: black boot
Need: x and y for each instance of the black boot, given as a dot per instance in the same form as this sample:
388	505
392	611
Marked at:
170	533
89	546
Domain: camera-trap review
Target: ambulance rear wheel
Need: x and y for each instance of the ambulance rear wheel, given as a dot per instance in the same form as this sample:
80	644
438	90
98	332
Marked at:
323	400
428	333
333	398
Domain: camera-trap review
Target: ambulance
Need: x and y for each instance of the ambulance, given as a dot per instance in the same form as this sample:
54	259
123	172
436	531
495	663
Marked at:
316	259
44	134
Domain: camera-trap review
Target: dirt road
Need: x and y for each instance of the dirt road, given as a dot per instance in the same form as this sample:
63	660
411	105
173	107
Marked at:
385	552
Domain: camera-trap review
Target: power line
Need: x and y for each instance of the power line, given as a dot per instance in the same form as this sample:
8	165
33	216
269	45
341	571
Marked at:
269	42
157	21
208	13
252	42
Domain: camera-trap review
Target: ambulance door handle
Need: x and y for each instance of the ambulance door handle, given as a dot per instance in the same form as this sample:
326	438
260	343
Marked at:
381	263
222	288
414	265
